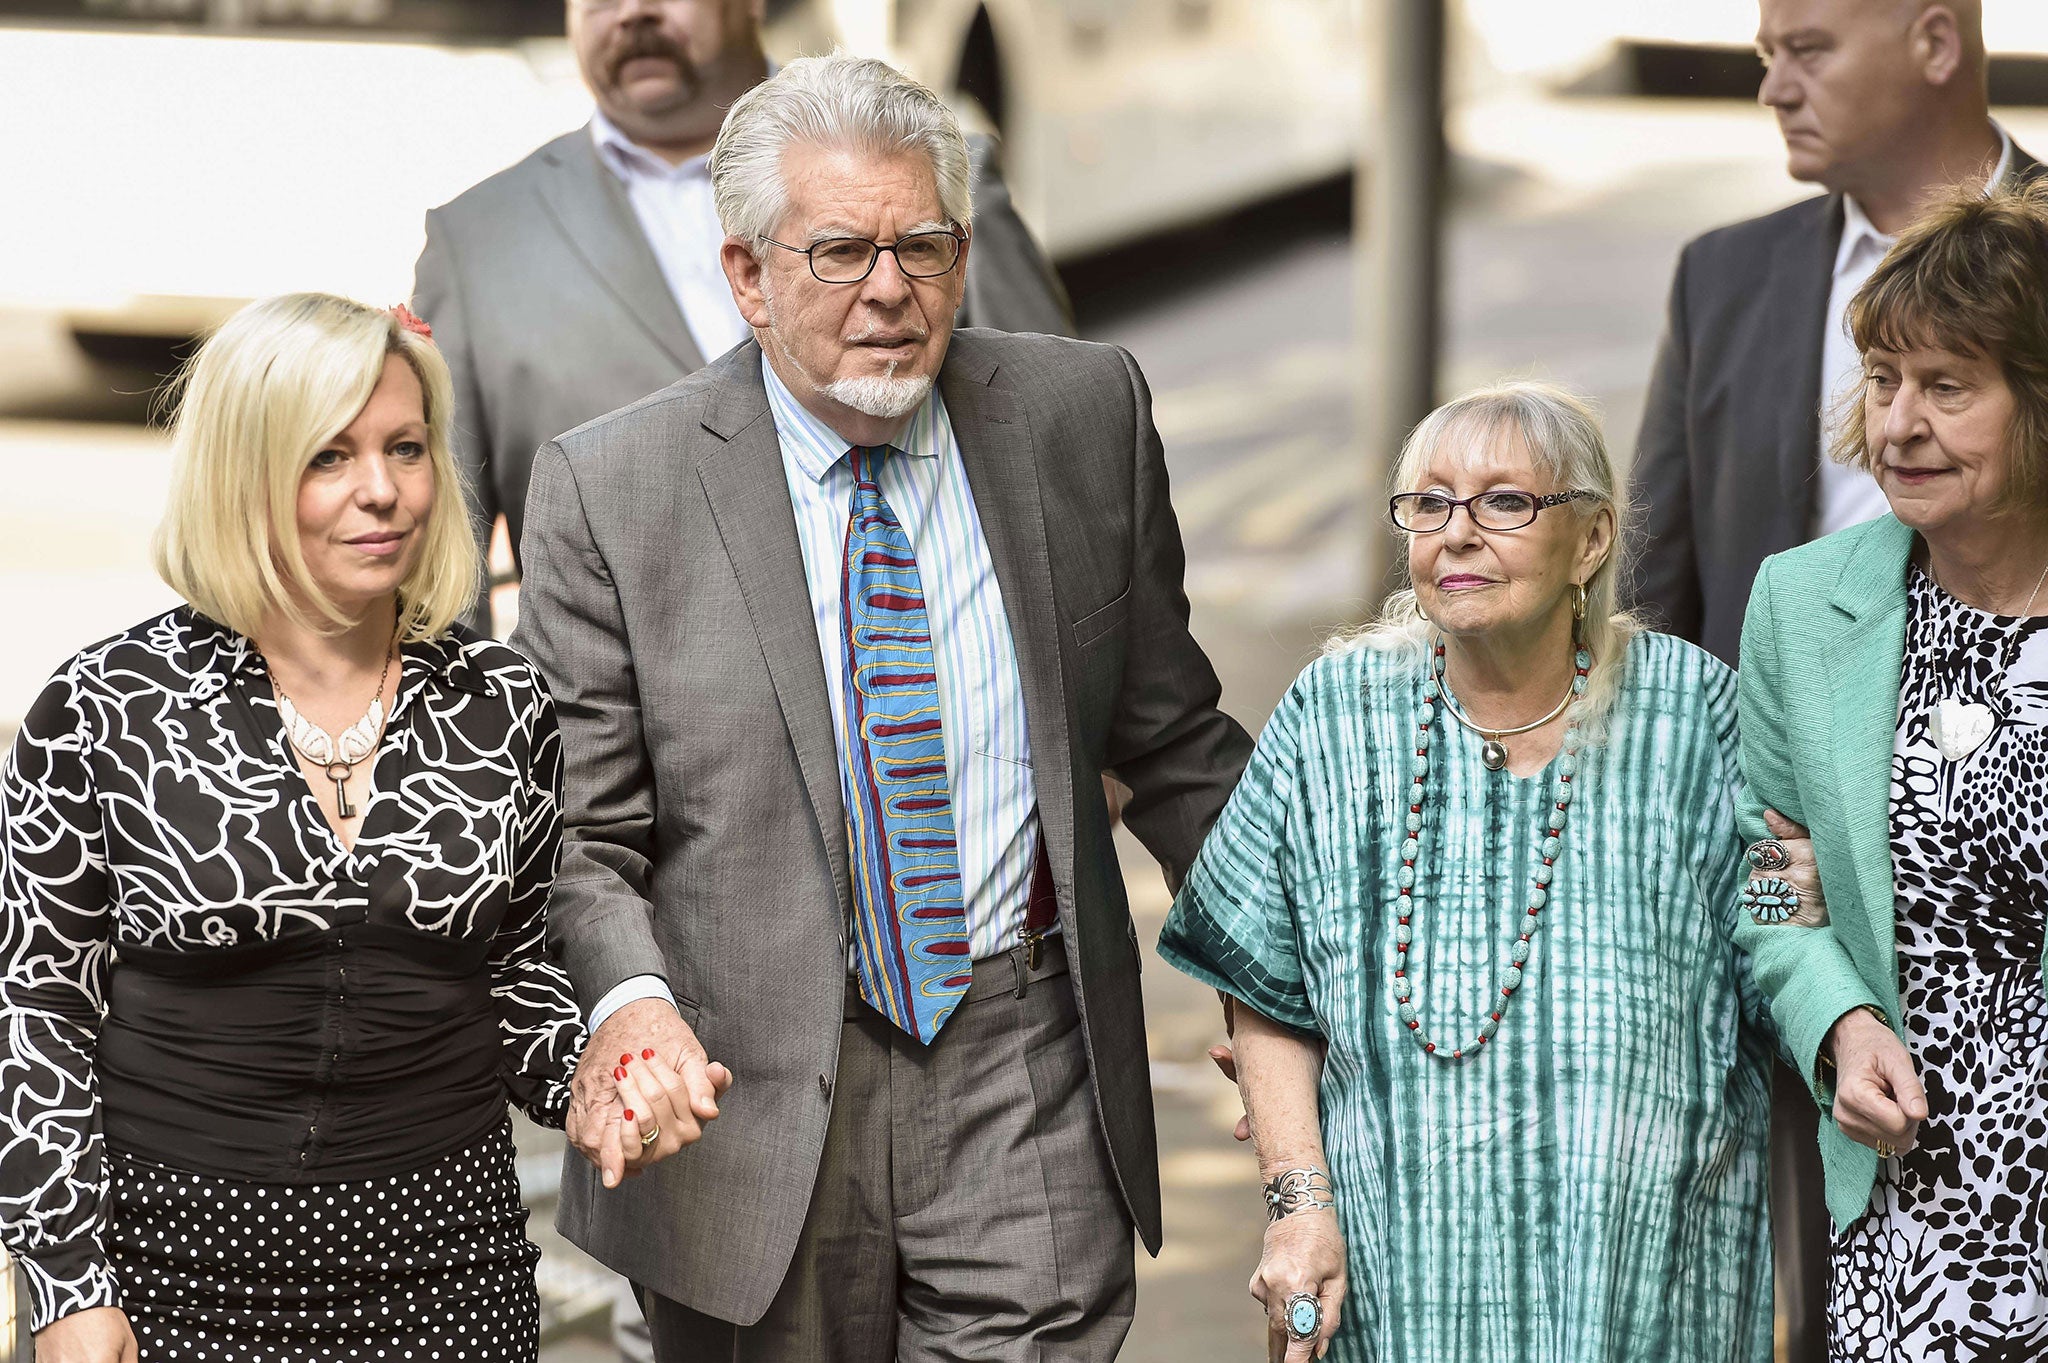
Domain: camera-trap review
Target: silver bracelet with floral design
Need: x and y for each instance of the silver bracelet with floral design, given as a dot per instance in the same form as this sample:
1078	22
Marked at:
1298	1190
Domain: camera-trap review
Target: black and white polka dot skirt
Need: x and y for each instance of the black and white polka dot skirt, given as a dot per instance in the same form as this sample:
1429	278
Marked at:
432	1264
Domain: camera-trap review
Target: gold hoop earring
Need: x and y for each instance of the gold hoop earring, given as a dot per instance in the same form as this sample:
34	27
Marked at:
1578	603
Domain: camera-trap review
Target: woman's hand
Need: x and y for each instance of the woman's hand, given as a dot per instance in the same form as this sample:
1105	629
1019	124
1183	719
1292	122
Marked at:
1878	1098
98	1335
662	1112
1304	1253
674	1091
1803	873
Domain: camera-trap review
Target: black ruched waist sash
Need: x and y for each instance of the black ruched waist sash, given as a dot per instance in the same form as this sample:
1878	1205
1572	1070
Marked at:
358	1052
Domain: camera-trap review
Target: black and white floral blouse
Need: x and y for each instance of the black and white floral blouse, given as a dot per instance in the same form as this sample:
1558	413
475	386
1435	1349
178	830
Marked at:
195	971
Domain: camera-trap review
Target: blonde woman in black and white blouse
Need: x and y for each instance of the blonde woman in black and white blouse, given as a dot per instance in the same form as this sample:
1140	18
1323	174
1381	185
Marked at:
274	869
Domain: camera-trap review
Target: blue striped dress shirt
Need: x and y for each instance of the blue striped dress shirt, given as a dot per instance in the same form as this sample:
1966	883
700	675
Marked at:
981	695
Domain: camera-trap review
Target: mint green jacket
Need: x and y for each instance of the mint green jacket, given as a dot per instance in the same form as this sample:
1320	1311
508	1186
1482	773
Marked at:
1822	647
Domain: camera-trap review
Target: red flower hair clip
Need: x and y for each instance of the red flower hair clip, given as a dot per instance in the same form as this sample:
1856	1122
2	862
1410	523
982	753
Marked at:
411	321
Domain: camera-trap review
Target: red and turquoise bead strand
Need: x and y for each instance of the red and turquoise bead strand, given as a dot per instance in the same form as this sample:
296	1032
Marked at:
1551	847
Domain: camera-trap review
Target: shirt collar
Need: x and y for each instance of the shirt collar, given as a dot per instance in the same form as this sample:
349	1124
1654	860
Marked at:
814	447
213	655
1858	229
625	157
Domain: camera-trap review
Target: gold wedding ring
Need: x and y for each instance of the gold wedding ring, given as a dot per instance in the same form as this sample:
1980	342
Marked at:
650	1138
1885	1150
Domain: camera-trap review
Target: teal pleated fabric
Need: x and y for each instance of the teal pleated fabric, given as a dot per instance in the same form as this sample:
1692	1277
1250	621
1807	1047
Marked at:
1592	1184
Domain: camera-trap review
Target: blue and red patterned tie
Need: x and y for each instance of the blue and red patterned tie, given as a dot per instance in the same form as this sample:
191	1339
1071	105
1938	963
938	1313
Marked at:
910	921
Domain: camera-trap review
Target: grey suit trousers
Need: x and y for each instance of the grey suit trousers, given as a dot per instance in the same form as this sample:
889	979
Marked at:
965	1207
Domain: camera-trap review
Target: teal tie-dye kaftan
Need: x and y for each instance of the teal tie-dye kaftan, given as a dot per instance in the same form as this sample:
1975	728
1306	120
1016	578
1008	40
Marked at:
1591	1186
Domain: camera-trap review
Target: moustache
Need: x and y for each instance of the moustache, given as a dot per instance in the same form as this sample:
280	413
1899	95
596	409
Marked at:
650	42
875	328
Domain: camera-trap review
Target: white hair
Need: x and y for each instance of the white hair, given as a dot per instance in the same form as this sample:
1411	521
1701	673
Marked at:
841	102
1561	432
880	395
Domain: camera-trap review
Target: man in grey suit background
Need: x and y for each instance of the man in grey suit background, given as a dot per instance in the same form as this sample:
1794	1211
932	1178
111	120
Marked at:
843	630
1881	102
587	275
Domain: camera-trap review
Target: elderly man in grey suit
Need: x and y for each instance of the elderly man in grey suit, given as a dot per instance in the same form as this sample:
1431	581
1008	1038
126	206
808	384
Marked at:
1881	102
844	629
587	275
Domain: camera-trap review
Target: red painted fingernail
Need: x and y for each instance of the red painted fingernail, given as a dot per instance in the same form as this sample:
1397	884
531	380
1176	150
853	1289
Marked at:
629	1114
618	1071
647	1054
626	1059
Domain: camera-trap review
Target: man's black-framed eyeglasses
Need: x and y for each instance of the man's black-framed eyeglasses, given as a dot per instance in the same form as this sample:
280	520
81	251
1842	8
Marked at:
1421	513
849	260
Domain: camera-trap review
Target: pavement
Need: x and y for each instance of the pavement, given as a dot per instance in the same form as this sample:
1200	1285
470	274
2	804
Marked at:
1566	218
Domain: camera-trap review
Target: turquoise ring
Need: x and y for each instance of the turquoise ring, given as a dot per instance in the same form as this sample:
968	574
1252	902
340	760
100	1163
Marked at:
1770	900
1304	1316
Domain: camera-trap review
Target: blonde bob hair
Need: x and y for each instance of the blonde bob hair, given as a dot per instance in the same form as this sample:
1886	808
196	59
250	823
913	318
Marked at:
1561	433
264	394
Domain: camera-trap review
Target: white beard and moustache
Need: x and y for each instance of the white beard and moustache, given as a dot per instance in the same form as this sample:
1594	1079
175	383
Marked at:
882	396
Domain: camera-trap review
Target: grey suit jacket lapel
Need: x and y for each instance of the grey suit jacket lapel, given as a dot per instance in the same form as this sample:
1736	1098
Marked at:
1000	457
590	207
1802	277
1864	659
749	496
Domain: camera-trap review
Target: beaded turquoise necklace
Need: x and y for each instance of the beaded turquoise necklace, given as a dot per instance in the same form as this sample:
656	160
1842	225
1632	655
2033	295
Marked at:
1547	852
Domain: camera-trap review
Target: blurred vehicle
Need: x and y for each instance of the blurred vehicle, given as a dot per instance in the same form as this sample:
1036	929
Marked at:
1659	42
167	160
1120	118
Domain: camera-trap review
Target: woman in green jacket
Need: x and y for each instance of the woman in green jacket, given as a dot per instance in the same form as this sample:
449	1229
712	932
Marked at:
1894	702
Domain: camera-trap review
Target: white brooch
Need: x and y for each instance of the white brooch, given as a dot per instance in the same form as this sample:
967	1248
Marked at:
1960	727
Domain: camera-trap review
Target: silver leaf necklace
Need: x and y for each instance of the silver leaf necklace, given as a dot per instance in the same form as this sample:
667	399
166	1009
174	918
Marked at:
339	753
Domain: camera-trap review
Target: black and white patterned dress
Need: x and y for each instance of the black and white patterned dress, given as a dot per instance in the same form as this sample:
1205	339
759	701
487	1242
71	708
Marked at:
1951	1262
255	1080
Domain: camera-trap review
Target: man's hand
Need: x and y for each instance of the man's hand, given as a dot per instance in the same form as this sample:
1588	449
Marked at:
1878	1098
643	1073
98	1335
1226	1060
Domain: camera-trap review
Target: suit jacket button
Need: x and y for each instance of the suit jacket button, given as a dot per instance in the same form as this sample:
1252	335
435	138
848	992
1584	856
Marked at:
825	1087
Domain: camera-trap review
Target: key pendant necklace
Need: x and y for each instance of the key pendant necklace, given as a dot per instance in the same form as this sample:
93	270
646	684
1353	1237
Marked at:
337	754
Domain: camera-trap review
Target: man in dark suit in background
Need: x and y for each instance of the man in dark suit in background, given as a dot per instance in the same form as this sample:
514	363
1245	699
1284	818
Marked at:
587	275
1881	102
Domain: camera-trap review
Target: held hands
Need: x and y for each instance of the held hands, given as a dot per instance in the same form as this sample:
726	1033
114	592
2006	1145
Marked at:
643	1074
1803	873
1878	1098
98	1335
1304	1253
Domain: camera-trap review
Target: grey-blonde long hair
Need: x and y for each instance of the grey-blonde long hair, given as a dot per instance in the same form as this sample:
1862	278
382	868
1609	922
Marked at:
1561	432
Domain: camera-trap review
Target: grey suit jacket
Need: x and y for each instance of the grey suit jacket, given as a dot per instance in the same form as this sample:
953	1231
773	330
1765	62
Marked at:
551	309
1727	465
665	603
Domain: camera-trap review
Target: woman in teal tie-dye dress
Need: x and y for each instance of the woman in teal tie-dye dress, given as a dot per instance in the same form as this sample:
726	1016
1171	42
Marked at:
1588	1181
